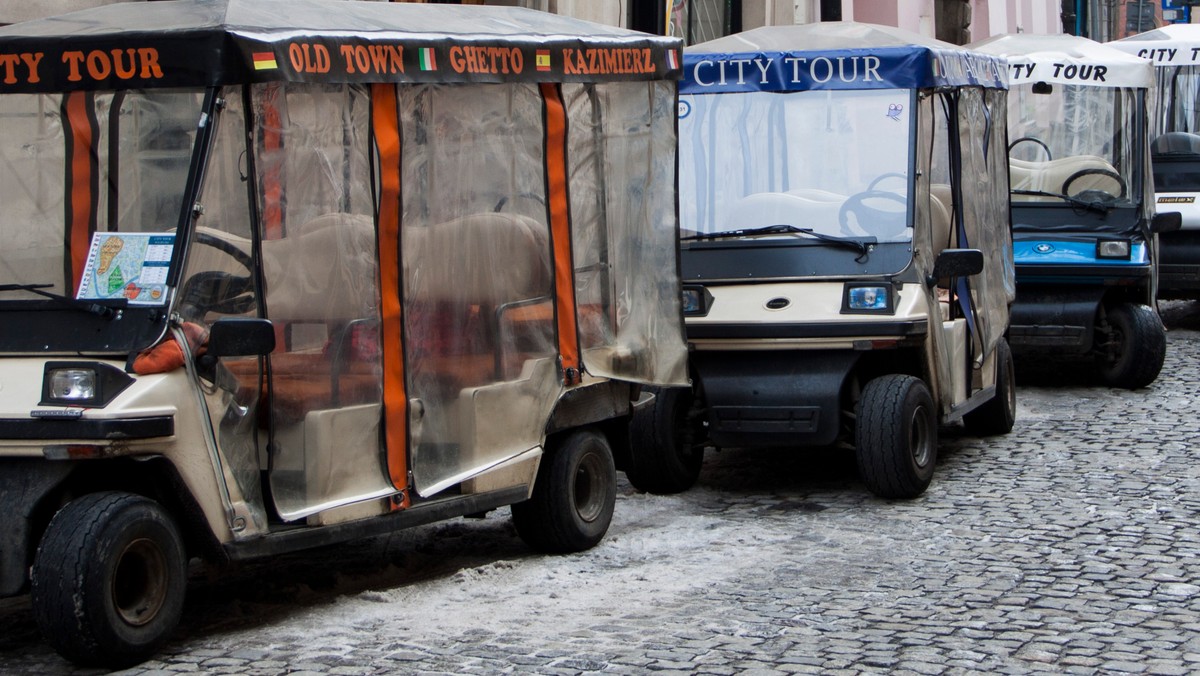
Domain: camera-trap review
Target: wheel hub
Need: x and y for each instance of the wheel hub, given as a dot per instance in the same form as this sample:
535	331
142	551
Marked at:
588	489
139	586
919	441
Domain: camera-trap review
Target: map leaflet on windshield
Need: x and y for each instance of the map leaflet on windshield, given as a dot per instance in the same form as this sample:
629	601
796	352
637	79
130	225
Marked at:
129	265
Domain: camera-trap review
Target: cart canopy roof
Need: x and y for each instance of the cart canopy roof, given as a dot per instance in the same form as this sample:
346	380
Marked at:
182	43
1173	45
834	55
1067	59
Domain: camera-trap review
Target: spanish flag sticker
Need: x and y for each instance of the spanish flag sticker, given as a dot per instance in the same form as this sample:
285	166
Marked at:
264	61
426	58
543	59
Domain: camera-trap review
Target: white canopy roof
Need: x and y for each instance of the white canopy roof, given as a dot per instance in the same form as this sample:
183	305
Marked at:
1176	44
1067	59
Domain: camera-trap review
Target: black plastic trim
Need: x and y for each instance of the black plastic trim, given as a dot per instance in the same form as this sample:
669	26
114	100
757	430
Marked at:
87	429
839	330
1106	271
418	515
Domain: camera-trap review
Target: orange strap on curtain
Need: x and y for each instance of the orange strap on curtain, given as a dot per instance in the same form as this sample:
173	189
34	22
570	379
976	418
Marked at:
385	126
80	130
560	232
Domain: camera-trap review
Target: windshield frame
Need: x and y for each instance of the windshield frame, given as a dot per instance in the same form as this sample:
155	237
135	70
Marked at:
1127	155
58	327
700	157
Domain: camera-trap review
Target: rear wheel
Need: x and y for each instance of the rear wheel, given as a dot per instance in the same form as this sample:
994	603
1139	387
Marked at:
108	579
1132	346
1000	412
573	496
896	436
665	456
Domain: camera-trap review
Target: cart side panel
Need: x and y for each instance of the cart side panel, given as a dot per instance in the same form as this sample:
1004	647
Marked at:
479	310
622	175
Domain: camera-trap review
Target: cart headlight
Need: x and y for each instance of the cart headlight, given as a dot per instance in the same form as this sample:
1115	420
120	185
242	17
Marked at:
1112	248
82	384
72	384
868	298
696	301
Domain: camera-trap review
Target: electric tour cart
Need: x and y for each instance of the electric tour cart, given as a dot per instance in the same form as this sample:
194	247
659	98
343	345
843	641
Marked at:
846	252
1175	148
1083	204
281	273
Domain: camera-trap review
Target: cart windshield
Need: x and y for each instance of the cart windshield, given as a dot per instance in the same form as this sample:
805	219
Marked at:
1075	144
834	163
73	167
1175	129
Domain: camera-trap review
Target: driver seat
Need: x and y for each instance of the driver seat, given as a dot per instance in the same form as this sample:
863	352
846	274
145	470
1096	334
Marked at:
1051	175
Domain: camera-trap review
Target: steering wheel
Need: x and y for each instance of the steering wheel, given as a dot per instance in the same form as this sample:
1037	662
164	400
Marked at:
1031	139
882	177
216	290
884	224
1097	172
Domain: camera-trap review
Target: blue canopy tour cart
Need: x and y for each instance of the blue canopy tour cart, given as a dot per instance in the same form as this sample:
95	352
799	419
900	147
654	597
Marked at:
281	273
1084	223
846	252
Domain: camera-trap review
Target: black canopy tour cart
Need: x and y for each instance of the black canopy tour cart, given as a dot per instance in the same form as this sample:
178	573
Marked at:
846	252
1174	110
278	274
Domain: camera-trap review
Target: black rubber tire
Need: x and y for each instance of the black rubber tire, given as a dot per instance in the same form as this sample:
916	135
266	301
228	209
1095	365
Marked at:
103	559
664	457
1133	354
896	436
573	497
999	414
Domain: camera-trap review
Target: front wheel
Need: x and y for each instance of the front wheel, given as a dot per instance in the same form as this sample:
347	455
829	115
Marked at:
1132	346
573	495
1000	412
896	436
108	579
665	456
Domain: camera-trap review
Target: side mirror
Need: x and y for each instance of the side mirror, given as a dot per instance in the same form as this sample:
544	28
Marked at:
1169	221
956	263
240	337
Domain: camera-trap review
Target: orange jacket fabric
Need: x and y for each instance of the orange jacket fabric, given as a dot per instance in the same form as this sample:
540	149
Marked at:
168	354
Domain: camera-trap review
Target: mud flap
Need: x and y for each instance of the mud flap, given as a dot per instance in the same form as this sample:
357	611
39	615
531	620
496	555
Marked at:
1055	317
773	398
23	484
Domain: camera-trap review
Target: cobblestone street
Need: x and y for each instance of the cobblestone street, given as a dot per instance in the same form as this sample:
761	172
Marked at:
1070	545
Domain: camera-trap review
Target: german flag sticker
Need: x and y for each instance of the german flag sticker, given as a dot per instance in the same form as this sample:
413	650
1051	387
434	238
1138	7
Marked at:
543	59
264	61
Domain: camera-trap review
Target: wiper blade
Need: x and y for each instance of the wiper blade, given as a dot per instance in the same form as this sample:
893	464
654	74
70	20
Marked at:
93	308
783	229
1098	207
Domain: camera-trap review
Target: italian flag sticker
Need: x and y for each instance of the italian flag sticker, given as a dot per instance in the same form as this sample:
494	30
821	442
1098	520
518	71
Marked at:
426	59
672	59
264	61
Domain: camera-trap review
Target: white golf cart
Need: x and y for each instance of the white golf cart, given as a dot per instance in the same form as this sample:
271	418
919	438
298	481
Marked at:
281	273
846	252
1083	204
1175	148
